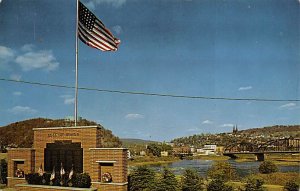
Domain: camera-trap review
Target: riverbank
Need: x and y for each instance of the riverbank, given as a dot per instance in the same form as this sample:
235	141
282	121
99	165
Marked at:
281	160
147	160
211	157
277	159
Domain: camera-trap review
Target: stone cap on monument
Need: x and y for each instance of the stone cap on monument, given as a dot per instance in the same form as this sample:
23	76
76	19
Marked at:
72	127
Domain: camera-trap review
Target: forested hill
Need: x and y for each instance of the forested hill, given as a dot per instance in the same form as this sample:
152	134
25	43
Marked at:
277	130
20	134
255	135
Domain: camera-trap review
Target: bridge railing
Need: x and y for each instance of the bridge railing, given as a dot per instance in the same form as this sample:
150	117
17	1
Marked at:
288	144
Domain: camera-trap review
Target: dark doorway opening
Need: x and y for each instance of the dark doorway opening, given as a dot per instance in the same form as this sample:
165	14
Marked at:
63	152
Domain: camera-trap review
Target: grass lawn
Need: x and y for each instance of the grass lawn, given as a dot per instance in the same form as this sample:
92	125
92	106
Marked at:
268	187
151	160
212	157
273	187
3	156
3	188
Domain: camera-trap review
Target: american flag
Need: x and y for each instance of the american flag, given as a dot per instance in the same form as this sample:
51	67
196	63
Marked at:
92	31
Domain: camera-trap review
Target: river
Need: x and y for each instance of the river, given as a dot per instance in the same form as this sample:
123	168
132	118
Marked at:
202	166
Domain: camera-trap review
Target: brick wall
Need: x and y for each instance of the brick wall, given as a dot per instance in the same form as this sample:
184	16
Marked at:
87	136
93	156
20	158
12	181
117	158
25	155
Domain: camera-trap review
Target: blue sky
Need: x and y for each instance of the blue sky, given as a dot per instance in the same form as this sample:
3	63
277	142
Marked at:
214	48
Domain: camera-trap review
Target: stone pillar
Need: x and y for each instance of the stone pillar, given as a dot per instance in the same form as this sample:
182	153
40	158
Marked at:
22	159
260	156
232	156
112	161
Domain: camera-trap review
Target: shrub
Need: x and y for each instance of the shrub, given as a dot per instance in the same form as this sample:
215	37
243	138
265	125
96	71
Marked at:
55	181
267	167
78	180
34	178
254	184
82	180
291	186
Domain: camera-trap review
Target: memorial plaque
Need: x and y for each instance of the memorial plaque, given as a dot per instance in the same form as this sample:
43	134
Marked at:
63	152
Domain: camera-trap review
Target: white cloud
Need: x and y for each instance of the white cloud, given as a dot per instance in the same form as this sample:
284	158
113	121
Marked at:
91	5
288	106
118	29
28	47
0	1
68	99
227	125
43	59
17	93
207	122
115	3
30	59
132	116
22	110
99	121
15	77
6	54
245	88
194	130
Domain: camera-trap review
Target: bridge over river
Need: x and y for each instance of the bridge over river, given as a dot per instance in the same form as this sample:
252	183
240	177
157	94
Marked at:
287	145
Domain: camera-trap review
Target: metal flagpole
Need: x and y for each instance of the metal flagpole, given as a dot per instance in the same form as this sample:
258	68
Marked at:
76	65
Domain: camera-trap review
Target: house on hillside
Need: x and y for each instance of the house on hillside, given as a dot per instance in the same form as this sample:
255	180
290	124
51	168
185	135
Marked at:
164	153
209	149
178	150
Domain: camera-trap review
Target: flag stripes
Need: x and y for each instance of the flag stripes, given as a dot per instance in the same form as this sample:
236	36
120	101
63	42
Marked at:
93	40
92	31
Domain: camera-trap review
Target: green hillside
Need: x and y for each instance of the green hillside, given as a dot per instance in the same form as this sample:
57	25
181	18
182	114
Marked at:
255	135
20	134
276	130
126	142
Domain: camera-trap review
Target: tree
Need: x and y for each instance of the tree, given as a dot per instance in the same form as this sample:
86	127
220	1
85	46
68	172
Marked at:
191	181
155	149
222	170
167	182
267	167
165	147
291	186
254	184
142	179
218	184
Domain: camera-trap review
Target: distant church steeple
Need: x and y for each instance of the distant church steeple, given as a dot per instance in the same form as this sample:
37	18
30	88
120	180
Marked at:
235	129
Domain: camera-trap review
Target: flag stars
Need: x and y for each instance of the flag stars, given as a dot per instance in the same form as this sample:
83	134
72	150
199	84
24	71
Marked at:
86	18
